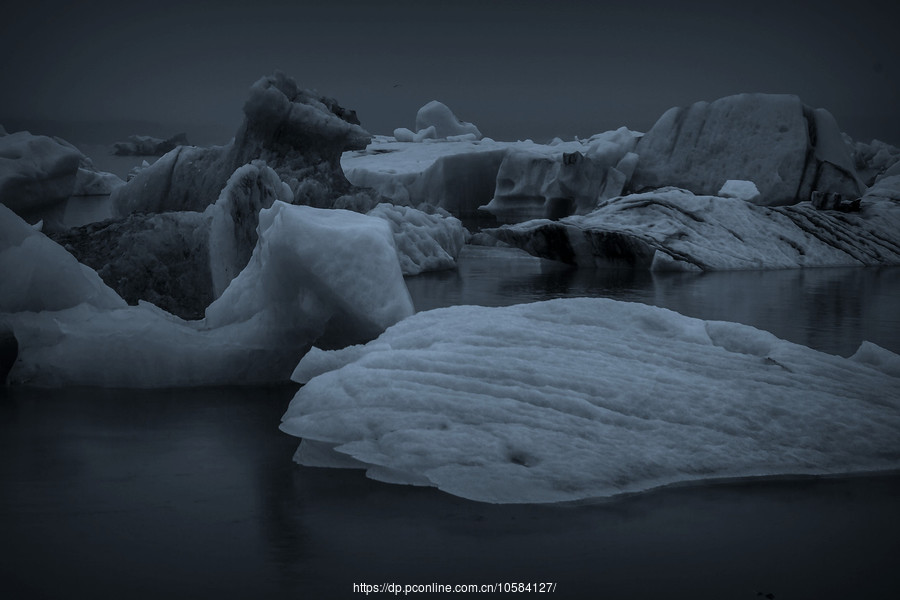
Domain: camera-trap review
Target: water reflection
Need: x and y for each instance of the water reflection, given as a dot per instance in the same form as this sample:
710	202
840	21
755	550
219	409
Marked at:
191	493
831	309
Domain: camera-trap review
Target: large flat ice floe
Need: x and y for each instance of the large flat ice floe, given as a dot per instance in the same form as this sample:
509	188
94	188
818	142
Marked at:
512	180
586	398
673	229
329	277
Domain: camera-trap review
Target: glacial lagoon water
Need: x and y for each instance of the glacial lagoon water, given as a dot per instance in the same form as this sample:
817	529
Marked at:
192	494
830	309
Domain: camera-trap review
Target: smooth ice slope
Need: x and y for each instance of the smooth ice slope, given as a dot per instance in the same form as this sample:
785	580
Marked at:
36	274
583	398
316	276
672	229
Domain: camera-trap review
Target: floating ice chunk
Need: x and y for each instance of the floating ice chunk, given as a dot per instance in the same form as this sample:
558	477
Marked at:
538	182
334	271
438	115
146	145
39	275
879	358
583	398
324	276
298	133
425	242
873	160
36	171
234	218
402	134
786	148
457	176
710	233
739	189
886	187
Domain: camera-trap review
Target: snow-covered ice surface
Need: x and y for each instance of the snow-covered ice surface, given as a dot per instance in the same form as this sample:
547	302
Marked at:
324	276
586	398
673	229
458	176
463	175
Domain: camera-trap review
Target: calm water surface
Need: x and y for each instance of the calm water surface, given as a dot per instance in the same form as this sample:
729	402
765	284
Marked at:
192	494
831	310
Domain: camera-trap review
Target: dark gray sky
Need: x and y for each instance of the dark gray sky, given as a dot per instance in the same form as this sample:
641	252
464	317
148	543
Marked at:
516	69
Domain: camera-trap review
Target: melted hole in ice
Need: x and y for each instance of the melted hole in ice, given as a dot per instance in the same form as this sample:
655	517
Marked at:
518	456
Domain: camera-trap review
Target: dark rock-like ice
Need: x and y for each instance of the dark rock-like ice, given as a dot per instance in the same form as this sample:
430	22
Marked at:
145	145
786	148
674	229
298	133
329	277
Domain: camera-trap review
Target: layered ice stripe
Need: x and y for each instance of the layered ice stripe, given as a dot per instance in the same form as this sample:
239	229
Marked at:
584	398
673	229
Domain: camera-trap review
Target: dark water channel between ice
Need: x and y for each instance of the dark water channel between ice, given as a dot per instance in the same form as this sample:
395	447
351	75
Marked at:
192	493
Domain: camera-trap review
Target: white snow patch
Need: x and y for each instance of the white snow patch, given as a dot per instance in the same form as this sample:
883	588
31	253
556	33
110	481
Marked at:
739	189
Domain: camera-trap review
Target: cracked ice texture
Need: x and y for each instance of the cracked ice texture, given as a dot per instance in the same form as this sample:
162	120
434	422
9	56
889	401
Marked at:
673	229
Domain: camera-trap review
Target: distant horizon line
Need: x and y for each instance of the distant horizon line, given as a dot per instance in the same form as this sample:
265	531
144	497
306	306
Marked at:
214	132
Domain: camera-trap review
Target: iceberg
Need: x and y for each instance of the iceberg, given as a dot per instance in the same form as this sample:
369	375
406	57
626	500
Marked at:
48	179
512	180
298	133
557	180
180	260
587	398
36	172
458	176
329	277
39	275
437	117
425	241
674	229
873	160
786	148
146	145
235	216
158	258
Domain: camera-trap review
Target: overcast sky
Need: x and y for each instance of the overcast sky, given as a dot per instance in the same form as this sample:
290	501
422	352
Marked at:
516	69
